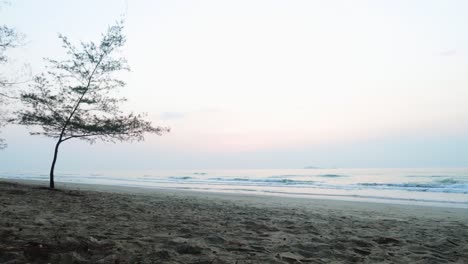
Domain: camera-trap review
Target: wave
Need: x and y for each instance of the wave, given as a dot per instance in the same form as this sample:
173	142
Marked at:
181	177
263	181
332	176
301	175
446	186
449	181
285	176
434	176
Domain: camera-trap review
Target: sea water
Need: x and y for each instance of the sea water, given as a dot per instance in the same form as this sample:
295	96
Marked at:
431	187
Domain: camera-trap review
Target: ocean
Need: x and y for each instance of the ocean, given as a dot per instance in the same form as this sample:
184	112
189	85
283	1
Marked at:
429	187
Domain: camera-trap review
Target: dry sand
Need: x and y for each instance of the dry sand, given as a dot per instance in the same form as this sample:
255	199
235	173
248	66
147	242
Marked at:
102	224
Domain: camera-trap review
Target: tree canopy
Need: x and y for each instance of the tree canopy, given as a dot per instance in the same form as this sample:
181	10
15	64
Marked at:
76	99
9	38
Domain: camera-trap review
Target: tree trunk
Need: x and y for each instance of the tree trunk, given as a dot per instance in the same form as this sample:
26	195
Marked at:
52	168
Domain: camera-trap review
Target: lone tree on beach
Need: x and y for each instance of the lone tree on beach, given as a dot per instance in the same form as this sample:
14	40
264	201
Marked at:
75	98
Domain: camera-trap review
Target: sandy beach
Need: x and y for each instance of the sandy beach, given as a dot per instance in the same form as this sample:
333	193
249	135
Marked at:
105	224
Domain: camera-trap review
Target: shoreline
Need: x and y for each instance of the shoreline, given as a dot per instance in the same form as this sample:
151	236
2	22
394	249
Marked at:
453	198
103	224
264	199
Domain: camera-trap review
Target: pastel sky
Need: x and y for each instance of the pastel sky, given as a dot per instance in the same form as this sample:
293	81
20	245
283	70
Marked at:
267	83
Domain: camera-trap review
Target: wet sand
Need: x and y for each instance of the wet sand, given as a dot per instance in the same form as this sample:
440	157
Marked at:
105	224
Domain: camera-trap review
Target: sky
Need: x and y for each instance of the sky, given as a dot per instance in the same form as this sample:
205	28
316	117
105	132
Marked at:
265	83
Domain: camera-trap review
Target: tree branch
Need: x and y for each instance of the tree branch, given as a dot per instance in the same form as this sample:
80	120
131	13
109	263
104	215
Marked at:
94	135
7	96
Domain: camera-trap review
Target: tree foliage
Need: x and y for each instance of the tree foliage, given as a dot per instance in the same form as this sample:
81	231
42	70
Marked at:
9	39
76	97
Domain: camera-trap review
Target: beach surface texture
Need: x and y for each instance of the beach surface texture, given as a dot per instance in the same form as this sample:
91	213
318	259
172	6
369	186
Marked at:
105	224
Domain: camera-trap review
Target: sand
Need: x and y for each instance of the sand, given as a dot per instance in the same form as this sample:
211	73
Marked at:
103	224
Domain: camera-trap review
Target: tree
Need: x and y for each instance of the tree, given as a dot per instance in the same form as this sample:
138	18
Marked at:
9	39
75	98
